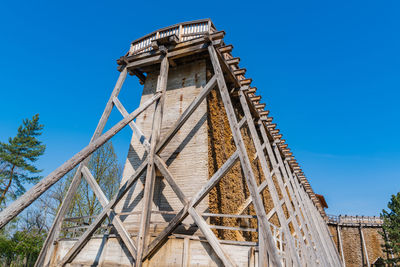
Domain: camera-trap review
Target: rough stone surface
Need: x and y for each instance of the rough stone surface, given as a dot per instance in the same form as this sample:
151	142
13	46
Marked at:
352	246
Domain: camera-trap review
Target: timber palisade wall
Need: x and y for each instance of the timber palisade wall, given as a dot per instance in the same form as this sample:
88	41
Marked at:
353	243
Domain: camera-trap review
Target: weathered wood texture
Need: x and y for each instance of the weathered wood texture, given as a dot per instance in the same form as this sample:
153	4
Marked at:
36	191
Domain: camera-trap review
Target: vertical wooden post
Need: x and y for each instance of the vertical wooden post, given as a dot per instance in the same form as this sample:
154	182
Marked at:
271	185
340	243
47	249
320	242
150	172
270	247
364	247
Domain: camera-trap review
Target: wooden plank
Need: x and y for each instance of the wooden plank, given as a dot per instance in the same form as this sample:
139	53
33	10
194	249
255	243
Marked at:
364	246
186	251
313	213
114	219
136	130
195	200
245	229
162	167
143	234
205	214
271	186
320	251
245	162
211	238
47	248
100	218
36	191
340	244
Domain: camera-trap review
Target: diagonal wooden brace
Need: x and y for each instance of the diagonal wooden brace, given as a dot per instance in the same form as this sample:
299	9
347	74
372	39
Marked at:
194	201
114	219
36	191
100	218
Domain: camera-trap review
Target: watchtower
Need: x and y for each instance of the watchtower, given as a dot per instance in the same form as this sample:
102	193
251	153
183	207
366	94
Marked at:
208	181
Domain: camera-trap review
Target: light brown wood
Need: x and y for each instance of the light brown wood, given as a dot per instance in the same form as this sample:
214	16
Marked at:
245	162
100	218
36	191
143	234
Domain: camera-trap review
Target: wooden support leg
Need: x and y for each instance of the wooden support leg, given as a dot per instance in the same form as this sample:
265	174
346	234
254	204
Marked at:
36	191
100	218
276	160
340	244
194	201
364	246
271	185
270	248
320	252
114	219
150	175
54	232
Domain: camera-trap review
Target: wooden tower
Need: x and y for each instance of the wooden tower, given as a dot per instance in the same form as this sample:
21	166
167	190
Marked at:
208	181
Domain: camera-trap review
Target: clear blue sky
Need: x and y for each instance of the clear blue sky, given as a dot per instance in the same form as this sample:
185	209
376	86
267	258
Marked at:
329	72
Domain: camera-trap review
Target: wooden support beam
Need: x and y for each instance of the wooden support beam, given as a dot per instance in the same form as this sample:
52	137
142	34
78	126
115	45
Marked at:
245	82
186	114
340	244
225	49
47	248
143	235
114	219
194	201
239	72
211	238
271	186
136	131
364	246
100	218
270	248
36	191
233	61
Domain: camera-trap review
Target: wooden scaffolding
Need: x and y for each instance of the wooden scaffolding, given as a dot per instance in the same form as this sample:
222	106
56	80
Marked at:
292	233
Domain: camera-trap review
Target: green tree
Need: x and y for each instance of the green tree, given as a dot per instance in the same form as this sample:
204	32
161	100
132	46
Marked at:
106	170
17	158
391	230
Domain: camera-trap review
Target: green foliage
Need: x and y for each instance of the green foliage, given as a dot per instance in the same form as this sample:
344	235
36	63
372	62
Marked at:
17	158
391	230
21	247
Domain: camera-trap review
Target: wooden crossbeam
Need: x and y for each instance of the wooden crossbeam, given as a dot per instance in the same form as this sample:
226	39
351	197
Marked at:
47	248
201	223
265	231
271	186
194	201
36	191
100	218
114	219
136	130
143	234
283	183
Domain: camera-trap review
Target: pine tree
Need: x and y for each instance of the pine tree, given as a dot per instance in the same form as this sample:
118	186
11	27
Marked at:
17	158
391	230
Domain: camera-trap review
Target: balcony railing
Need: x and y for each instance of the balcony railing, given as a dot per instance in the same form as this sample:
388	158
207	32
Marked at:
353	220
184	31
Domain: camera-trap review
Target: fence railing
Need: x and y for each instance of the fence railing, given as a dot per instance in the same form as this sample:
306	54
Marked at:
184	31
345	219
